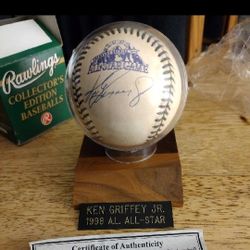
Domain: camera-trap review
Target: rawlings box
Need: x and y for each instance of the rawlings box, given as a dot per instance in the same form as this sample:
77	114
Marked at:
32	77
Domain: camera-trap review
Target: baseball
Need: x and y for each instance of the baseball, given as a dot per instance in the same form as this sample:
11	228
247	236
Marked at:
127	85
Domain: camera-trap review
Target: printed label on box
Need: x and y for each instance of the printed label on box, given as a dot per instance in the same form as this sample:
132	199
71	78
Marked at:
32	89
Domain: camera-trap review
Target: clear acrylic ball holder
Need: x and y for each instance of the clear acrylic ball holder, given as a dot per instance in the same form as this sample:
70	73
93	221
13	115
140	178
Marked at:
143	152
131	156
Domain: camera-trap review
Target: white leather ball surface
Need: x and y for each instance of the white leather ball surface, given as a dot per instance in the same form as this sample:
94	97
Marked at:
127	85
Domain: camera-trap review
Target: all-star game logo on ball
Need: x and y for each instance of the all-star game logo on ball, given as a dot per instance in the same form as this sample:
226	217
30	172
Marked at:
118	55
46	118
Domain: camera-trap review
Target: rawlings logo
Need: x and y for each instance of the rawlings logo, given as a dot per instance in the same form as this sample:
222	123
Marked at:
118	55
25	78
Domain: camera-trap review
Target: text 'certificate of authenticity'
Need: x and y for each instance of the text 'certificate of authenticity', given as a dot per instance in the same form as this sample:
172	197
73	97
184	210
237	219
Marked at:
165	240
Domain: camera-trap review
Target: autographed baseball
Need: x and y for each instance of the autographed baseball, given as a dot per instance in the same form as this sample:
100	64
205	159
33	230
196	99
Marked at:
127	85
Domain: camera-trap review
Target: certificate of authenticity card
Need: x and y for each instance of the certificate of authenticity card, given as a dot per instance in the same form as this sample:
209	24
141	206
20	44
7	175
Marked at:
165	240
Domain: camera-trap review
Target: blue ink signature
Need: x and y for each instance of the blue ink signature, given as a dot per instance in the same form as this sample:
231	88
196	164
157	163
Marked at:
103	89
